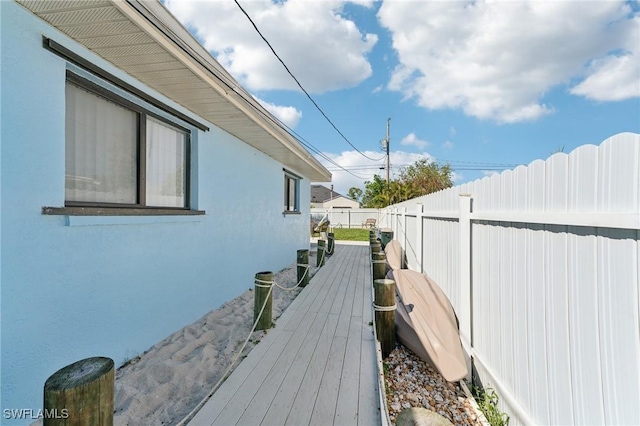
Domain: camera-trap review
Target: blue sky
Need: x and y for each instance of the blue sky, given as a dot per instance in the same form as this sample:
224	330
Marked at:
483	85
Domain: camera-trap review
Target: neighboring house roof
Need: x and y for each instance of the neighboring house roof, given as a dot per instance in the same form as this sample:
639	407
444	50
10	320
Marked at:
145	40
322	194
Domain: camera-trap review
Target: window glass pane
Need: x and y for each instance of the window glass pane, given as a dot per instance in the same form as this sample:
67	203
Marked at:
290	192
101	145
286	193
166	165
292	195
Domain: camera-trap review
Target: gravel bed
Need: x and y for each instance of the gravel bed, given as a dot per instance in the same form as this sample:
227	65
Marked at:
413	383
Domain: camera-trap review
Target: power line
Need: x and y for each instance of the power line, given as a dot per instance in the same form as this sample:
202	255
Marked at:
300	85
233	86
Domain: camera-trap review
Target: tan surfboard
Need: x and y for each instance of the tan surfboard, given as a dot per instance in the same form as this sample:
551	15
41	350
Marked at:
394	254
426	323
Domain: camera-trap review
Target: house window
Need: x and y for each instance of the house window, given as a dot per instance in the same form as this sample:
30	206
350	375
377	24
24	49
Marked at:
291	193
119	155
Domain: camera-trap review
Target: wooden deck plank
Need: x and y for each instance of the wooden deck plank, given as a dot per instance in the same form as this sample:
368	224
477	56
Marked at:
284	398
227	391
335	283
317	366
325	406
347	305
360	290
300	414
347	408
331	281
367	307
263	396
336	308
368	410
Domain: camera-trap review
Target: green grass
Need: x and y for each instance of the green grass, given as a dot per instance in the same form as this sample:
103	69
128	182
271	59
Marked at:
353	234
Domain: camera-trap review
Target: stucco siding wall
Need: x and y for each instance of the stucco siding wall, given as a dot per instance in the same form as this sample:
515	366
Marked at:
80	287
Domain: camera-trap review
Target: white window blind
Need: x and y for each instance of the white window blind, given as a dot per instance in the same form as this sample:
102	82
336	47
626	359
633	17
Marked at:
166	165
101	149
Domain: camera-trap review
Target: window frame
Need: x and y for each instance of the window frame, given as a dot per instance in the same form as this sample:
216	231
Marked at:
291	177
84	207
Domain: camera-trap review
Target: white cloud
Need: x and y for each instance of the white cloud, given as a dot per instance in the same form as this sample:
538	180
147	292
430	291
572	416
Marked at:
448	145
322	48
412	139
615	77
287	114
366	169
496	60
489	172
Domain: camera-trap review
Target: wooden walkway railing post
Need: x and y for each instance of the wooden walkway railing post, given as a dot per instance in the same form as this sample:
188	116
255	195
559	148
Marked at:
330	243
320	257
379	262
375	248
302	261
384	306
263	297
81	394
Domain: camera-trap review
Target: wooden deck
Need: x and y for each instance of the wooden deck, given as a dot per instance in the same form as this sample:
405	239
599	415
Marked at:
318	365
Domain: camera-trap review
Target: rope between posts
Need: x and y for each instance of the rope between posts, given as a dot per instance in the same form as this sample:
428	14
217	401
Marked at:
332	248
261	284
324	252
193	412
384	308
306	271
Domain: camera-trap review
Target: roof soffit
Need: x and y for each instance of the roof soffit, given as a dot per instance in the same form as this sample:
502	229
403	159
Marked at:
158	51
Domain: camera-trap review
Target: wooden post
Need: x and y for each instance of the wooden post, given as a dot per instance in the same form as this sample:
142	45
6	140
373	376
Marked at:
384	306
330	243
263	296
379	261
375	248
320	257
81	394
303	267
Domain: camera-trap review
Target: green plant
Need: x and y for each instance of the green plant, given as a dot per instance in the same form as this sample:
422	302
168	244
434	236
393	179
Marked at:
128	361
385	370
488	403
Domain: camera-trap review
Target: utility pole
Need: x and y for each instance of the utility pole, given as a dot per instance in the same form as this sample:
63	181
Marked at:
387	144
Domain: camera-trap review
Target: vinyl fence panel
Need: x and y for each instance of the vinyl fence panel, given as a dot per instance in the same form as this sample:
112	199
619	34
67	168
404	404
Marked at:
544	273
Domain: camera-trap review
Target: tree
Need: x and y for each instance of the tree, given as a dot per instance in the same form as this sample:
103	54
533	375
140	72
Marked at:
372	192
355	193
421	178
424	177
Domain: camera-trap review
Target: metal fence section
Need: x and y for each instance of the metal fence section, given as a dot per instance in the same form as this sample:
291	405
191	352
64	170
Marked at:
541	264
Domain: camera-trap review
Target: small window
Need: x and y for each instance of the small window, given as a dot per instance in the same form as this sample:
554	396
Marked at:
118	155
291	193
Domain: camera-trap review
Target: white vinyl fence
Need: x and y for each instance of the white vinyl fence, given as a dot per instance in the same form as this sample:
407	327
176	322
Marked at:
542	267
348	218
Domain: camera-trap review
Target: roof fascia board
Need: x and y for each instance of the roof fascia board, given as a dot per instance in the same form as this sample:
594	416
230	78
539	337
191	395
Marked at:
159	16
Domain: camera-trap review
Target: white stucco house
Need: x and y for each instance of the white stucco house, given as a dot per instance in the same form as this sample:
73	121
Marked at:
141	186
